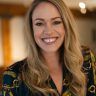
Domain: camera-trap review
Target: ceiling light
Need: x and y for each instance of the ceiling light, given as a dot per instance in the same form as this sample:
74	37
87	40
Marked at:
83	11
82	5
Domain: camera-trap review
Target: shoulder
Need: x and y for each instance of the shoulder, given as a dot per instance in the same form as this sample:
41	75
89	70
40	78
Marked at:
89	58
15	69
17	66
89	68
10	76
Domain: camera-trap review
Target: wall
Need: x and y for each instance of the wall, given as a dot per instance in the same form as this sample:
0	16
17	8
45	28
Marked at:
17	38
86	27
1	49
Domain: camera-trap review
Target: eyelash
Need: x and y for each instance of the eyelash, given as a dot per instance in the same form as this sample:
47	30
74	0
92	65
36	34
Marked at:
39	24
57	22
54	23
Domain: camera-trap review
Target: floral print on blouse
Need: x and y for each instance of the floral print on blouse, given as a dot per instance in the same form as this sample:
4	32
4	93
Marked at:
12	86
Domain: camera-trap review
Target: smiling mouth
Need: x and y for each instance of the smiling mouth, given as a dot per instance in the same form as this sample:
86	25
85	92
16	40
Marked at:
49	40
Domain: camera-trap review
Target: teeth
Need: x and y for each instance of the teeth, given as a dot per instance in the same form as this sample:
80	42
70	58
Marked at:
49	40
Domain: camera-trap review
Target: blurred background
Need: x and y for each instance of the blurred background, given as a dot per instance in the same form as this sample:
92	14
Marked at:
12	13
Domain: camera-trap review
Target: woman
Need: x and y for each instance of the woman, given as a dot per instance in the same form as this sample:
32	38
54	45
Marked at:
56	64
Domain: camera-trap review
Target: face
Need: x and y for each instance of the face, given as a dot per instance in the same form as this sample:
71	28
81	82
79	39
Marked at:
48	27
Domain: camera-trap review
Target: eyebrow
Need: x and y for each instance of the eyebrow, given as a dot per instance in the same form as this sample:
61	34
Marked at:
43	19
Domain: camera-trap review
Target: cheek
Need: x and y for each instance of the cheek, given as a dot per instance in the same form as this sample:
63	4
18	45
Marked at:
37	35
37	30
36	38
60	29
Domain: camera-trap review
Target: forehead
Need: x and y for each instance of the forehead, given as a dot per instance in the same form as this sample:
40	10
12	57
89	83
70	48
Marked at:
45	10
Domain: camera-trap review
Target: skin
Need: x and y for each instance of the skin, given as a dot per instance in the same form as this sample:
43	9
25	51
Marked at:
48	28
49	36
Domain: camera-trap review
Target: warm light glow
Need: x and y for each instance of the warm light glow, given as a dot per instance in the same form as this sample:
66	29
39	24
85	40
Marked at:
83	11
82	5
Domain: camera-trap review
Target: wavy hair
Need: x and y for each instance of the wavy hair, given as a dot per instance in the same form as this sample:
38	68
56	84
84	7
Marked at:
35	73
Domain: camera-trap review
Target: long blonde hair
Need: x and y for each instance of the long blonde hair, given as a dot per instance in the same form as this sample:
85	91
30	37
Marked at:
35	73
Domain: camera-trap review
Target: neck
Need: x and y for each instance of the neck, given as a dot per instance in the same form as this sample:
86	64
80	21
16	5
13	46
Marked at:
52	61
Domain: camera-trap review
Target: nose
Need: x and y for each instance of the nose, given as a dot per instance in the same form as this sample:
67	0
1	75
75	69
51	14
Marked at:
48	29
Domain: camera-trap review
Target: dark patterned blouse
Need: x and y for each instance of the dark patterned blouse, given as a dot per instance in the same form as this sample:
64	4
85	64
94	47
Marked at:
12	86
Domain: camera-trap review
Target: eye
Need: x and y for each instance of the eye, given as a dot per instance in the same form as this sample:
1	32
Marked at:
39	24
57	22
